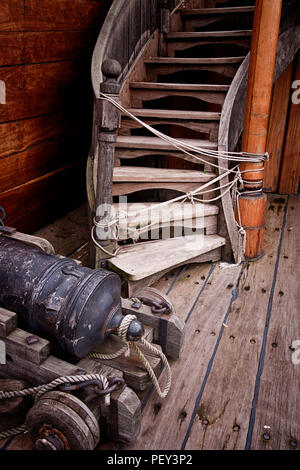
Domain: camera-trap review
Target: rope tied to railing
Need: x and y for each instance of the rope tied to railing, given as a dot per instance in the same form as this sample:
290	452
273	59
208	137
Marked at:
191	196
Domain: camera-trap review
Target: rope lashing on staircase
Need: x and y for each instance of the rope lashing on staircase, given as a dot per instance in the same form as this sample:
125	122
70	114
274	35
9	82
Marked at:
183	146
122	332
191	196
188	196
40	390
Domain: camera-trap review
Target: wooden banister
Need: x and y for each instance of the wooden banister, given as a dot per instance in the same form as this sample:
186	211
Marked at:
108	120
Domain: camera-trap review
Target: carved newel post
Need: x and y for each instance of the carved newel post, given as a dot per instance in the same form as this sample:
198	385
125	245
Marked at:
108	120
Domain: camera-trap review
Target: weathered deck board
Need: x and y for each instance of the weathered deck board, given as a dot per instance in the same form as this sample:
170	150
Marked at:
278	403
223	407
172	415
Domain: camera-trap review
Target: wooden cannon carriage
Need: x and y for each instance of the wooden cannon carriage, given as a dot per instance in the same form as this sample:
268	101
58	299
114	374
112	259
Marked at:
76	420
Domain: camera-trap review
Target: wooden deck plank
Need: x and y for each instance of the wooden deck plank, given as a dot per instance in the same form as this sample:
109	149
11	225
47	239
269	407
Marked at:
278	405
223	407
165	423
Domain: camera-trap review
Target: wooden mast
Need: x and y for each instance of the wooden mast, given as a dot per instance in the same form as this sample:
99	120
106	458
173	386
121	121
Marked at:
252	207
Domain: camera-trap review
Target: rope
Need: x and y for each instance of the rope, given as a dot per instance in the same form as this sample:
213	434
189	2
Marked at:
183	198
40	390
234	156
13	432
122	332
187	149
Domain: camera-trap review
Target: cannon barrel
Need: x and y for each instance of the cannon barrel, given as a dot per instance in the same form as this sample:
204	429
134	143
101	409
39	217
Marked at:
74	306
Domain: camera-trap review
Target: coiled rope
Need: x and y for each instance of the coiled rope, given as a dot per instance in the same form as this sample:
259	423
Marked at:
39	391
122	332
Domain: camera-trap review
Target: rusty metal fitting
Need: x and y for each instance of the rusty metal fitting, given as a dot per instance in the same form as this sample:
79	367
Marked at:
50	438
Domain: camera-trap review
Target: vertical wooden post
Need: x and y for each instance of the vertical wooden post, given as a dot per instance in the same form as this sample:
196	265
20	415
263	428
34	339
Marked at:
252	207
109	118
164	26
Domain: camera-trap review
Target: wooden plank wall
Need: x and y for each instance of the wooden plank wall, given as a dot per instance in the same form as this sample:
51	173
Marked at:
283	170
45	126
290	169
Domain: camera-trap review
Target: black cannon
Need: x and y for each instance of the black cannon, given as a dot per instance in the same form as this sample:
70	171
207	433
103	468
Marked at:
76	307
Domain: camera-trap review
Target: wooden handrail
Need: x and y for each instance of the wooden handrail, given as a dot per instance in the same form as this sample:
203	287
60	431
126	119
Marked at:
122	18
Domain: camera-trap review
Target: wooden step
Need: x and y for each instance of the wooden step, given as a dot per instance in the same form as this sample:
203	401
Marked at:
180	41
128	147
146	91
155	143
139	174
136	213
178	215
203	17
159	61
139	261
203	122
175	114
217	11
188	35
128	180
194	88
168	65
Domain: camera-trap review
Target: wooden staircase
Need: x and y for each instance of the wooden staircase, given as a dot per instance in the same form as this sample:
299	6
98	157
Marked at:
181	93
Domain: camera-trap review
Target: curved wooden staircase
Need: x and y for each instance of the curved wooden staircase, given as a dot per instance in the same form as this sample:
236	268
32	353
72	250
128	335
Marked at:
182	93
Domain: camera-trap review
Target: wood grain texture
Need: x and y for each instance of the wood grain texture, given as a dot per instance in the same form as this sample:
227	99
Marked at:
290	169
278	405
12	15
223	412
61	15
11	48
126	174
58	45
148	258
173	414
22	135
22	167
45	51
34	90
28	211
277	128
